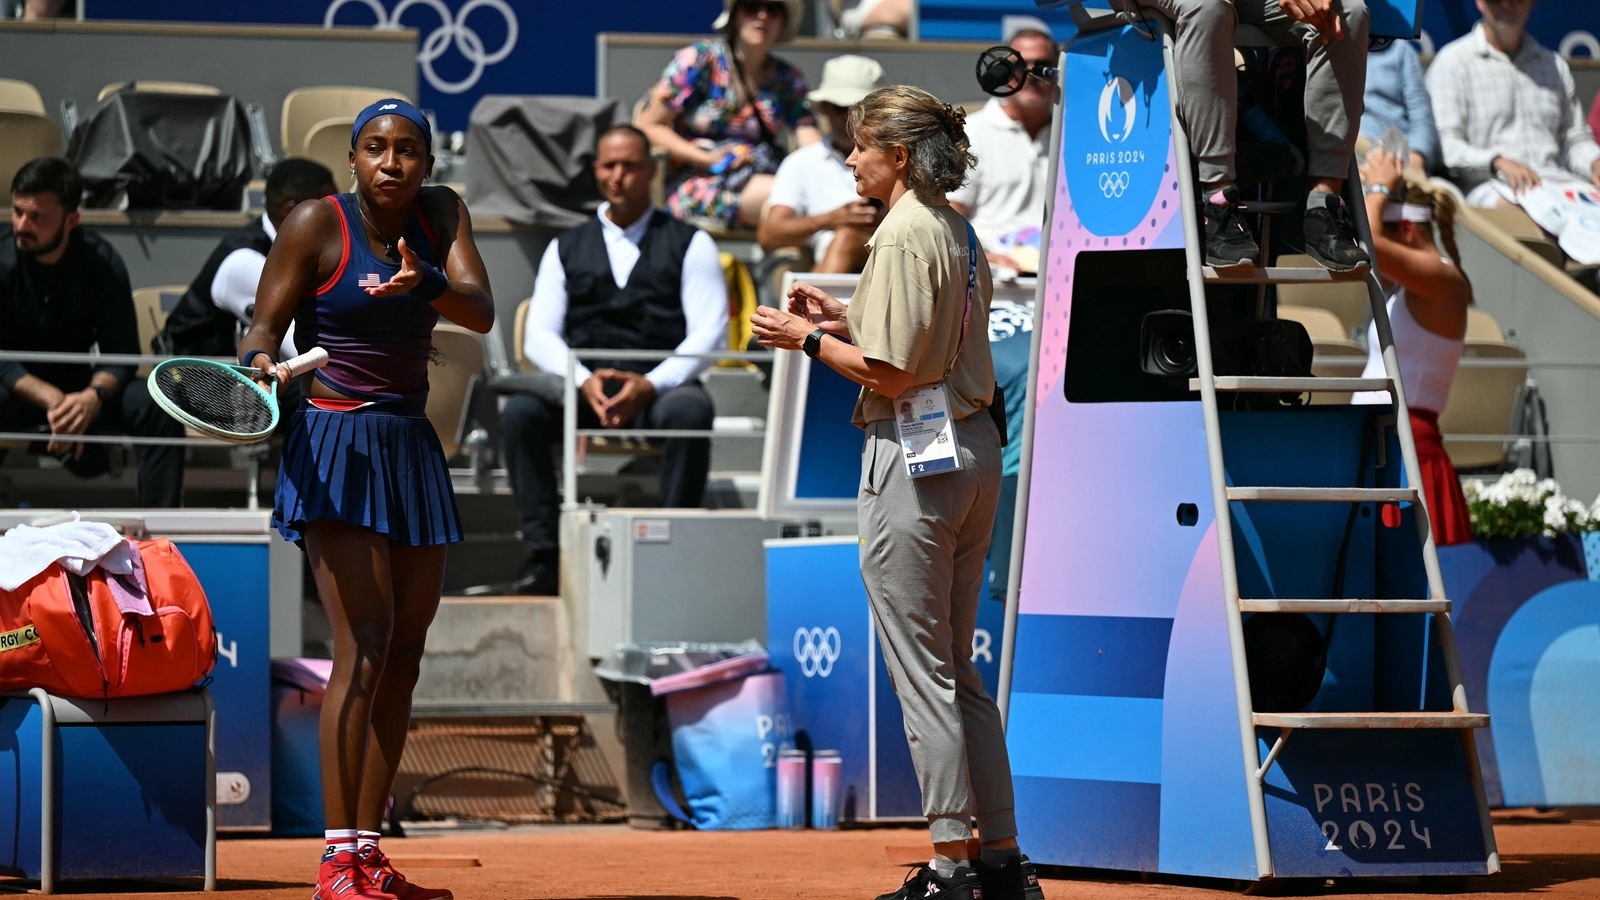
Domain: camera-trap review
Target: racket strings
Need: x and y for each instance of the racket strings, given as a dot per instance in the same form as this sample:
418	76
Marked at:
216	397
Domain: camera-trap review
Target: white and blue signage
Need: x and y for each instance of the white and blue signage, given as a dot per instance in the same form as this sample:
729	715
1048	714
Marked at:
1114	149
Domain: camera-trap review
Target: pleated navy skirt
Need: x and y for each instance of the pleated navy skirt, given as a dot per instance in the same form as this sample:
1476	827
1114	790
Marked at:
379	467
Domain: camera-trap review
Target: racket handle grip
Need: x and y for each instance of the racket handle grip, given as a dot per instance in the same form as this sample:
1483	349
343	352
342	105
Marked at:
315	358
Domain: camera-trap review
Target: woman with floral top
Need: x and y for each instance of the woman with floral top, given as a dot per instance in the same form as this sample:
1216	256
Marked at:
721	110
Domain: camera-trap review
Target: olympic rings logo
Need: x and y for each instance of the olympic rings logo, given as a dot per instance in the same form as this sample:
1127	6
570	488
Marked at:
816	649
1113	184
452	31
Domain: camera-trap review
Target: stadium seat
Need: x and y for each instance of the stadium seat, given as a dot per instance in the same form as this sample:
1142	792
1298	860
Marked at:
1482	401
451	382
309	106
159	87
328	143
1335	354
24	137
1347	300
21	96
1520	226
1482	327
152	305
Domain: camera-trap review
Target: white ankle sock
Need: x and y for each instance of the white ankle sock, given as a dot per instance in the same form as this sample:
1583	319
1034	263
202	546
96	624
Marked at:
339	840
365	839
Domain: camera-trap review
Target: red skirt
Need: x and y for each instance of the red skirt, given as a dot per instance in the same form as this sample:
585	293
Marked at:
1441	486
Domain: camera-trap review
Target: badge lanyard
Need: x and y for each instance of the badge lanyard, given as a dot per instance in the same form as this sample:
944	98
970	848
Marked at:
922	421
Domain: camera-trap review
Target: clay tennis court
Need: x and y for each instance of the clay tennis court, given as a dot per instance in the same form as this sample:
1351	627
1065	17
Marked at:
1555	854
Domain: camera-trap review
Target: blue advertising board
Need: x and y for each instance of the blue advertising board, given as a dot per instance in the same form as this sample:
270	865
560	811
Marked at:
820	635
234	575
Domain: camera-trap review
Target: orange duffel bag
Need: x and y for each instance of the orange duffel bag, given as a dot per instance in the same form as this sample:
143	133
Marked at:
66	634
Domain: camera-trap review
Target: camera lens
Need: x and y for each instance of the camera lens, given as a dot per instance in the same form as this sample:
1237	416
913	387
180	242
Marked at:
1175	354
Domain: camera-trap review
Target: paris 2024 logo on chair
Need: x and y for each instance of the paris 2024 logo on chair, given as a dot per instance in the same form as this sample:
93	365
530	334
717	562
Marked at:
1116	129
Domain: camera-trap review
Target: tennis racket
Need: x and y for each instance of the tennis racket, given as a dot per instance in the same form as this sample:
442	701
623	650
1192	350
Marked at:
225	402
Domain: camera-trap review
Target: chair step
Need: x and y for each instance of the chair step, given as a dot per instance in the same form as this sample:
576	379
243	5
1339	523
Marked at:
1279	275
1272	385
1347	605
1323	494
1371	720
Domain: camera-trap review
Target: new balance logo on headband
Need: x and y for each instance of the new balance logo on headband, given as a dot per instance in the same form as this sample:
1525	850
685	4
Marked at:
388	106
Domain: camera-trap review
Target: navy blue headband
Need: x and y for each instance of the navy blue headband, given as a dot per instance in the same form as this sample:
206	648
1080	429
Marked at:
393	106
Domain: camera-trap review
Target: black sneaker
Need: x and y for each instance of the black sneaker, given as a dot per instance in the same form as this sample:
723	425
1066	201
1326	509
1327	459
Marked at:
1016	880
1330	236
1228	240
923	883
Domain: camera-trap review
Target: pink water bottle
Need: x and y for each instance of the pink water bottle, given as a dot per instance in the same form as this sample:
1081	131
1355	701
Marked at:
826	769
791	788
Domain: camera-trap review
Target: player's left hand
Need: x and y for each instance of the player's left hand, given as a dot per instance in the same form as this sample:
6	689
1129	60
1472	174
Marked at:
409	276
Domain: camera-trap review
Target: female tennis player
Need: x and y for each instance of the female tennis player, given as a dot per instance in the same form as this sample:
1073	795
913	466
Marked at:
363	485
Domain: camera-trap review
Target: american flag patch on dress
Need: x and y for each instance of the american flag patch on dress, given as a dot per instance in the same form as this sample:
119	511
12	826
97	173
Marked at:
369	281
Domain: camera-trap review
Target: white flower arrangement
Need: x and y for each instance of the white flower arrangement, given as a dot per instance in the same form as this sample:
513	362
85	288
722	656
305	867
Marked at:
1520	504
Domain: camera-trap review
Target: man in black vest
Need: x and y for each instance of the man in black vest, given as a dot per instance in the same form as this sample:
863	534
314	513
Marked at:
64	289
633	278
205	322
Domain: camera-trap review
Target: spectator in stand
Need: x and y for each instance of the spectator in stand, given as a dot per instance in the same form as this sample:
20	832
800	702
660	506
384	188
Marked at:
722	110
814	202
1397	97
1507	109
63	288
1594	117
1335	38
1005	192
1428	300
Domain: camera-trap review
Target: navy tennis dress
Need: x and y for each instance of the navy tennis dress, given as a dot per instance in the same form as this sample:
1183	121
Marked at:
378	465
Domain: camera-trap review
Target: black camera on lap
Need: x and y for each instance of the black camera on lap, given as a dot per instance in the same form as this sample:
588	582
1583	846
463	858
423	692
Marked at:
1254	346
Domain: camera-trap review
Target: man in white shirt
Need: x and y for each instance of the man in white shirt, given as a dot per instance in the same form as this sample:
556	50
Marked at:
205	321
1507	109
633	278
1005	192
814	202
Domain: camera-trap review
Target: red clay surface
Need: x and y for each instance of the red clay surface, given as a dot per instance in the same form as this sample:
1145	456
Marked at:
1556	854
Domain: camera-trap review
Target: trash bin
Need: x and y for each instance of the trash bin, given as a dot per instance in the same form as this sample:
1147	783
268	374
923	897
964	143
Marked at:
630	674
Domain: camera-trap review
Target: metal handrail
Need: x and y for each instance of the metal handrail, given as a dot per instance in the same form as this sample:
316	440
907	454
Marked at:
569	413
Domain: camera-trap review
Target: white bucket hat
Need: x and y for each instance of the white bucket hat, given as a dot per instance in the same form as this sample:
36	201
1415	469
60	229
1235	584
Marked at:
791	22
847	79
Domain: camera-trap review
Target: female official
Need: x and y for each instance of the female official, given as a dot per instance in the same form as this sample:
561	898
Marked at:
916	331
1428	304
363	485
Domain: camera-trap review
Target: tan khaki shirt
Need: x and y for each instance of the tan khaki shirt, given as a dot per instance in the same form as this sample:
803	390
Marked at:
909	305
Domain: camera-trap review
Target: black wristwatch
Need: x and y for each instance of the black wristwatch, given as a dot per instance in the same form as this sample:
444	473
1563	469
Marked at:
99	392
813	344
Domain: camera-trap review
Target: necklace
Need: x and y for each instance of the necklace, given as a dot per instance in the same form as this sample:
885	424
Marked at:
391	249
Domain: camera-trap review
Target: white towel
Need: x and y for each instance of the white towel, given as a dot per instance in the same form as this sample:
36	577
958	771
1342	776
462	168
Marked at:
25	550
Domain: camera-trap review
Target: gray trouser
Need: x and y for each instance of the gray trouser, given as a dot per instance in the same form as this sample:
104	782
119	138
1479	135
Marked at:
1207	83
922	550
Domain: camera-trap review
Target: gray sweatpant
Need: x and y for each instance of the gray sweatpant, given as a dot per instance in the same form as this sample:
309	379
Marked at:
923	543
1207	83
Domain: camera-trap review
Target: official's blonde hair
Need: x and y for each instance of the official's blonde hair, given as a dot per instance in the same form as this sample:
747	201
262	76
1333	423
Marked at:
933	131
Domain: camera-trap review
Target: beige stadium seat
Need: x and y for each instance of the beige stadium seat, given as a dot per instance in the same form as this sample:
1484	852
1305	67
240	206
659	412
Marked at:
1345	299
24	137
308	106
519	327
160	87
1335	354
1482	401
1520	226
1482	327
450	382
151	305
20	96
328	143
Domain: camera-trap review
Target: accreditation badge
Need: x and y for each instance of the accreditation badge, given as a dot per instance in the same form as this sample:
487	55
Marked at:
927	432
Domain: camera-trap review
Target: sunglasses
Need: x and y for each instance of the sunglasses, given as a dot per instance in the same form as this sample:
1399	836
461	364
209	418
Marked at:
770	7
